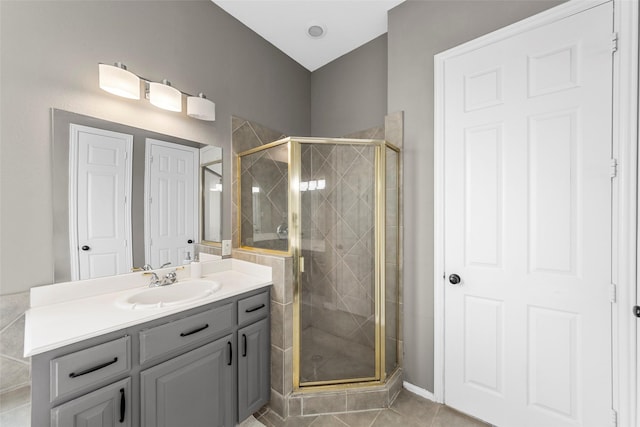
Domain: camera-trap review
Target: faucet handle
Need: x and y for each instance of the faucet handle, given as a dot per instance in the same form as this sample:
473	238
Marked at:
171	276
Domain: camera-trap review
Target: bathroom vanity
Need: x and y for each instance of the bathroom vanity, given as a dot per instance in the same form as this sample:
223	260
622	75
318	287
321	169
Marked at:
201	363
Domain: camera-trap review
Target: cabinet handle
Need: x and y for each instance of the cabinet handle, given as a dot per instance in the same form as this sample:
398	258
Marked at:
195	331
244	345
123	405
230	353
256	308
95	368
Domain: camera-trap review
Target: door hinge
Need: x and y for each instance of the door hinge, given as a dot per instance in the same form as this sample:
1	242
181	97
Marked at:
614	418
301	262
636	310
614	42
613	292
613	168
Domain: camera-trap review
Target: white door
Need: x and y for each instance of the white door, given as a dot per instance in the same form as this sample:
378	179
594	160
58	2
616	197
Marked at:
527	195
171	202
99	202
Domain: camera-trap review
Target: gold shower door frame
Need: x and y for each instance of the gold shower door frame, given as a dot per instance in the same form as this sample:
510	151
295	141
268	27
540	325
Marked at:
295	251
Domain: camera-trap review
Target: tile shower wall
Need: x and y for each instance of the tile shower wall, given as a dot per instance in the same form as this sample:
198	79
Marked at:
264	203
15	370
281	325
270	179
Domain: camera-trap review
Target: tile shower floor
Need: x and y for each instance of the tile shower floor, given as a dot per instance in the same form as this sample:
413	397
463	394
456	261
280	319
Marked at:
408	410
326	357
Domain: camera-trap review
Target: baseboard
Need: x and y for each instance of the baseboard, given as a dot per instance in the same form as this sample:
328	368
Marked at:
419	391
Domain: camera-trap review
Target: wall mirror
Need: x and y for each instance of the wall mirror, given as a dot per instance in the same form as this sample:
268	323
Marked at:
124	197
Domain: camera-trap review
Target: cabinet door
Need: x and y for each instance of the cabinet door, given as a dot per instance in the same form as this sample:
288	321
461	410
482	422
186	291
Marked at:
253	368
109	406
193	390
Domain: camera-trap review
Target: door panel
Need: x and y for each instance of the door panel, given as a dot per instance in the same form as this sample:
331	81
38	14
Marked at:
527	148
100	210
171	203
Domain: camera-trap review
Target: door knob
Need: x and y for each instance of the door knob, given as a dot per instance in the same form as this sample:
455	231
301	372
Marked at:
189	241
85	248
454	279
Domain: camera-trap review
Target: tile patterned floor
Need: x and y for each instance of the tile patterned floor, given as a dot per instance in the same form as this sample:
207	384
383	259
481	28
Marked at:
408	410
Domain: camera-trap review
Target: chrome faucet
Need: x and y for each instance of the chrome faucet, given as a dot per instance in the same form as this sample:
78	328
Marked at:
169	279
148	267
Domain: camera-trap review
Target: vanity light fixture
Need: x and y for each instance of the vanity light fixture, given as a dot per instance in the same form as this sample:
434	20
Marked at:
199	107
117	80
162	95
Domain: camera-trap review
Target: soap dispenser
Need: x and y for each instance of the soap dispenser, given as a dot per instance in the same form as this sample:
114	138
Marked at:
196	269
187	259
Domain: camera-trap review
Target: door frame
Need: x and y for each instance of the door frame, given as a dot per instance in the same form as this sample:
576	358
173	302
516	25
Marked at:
625	248
74	142
148	142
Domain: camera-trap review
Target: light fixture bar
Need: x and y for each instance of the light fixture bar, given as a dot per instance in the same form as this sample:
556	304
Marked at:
117	80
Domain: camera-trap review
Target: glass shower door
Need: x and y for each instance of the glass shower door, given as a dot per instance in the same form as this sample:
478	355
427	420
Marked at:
337	288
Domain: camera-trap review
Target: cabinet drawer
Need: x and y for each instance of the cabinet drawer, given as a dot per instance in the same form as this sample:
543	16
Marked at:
155	342
253	308
85	368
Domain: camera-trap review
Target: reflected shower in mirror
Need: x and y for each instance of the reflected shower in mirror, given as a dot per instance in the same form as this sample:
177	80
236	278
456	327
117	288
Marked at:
124	197
211	201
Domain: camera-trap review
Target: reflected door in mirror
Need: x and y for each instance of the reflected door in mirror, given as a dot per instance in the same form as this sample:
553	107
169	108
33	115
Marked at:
170	204
100	210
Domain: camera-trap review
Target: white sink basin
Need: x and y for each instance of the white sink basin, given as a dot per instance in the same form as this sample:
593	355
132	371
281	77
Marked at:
169	295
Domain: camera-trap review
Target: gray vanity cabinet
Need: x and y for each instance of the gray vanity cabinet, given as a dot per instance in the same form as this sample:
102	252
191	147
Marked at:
192	389
253	368
204	366
105	407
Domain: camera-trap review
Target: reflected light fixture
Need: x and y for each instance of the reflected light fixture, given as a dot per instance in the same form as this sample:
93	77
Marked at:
117	80
162	95
199	107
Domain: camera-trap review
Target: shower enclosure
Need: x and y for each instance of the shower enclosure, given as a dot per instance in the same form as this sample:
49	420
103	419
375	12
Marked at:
332	204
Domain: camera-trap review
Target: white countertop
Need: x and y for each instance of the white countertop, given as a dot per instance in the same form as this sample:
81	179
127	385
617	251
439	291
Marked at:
70	312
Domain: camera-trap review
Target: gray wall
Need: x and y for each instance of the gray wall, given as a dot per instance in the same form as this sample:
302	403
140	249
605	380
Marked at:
350	93
417	31
48	58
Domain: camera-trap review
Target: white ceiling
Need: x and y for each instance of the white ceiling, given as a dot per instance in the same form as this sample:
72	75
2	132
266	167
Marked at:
284	23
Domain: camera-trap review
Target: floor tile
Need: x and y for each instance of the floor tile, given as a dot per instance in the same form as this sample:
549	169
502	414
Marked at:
391	418
448	417
408	410
328	421
414	406
358	419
